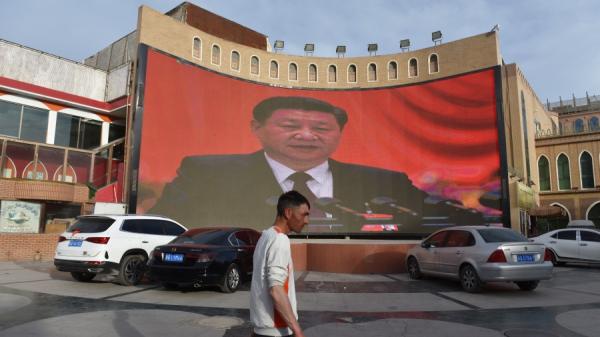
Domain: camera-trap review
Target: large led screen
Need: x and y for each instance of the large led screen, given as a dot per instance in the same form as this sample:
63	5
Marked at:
218	151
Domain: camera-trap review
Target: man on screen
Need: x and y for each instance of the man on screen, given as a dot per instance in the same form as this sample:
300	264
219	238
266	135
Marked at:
298	136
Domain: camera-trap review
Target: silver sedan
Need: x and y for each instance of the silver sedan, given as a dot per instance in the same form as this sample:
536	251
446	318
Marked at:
479	254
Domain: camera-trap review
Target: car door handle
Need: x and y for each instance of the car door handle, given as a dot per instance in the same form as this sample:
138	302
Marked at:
552	242
240	250
144	241
458	252
583	244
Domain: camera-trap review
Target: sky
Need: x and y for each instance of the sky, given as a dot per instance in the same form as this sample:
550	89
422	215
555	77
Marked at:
555	43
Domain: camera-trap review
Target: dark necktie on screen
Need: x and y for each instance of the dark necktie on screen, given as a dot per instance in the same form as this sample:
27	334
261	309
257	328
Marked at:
300	179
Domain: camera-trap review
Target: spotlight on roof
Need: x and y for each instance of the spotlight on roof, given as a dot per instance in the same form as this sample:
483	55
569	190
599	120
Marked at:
372	48
405	44
436	37
278	45
309	48
340	51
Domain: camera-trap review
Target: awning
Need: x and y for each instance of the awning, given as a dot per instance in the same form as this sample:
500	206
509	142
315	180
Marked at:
547	211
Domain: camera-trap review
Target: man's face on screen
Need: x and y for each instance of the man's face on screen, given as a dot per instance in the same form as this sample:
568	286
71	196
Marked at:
299	139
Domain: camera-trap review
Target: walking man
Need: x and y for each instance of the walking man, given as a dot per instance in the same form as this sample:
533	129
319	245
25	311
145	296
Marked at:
273	295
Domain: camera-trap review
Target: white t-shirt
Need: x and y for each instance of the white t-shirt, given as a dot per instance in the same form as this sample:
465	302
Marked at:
272	266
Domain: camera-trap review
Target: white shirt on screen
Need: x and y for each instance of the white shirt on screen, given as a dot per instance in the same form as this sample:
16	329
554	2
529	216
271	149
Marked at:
321	183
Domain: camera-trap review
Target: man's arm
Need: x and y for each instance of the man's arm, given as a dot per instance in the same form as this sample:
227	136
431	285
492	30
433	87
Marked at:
283	306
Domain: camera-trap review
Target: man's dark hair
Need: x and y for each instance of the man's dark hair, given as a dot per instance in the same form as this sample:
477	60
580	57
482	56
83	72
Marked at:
264	110
291	199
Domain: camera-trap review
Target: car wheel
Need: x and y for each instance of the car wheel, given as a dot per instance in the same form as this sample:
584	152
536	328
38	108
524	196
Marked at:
169	285
231	280
555	259
414	271
83	276
131	270
469	280
527	285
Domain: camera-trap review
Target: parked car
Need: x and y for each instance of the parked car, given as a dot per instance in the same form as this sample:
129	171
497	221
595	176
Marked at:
205	256
572	245
116	245
478	254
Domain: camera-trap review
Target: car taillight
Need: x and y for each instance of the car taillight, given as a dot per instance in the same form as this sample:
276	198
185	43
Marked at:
61	238
201	257
102	240
497	256
547	255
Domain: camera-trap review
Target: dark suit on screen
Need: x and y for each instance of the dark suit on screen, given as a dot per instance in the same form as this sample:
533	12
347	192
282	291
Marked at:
233	189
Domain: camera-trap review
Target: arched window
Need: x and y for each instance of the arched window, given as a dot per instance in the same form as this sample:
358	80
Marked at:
578	125
413	68
392	70
254	65
332	74
216	55
434	66
544	171
586	166
197	48
372	72
293	72
274	70
593	214
312	73
593	124
352	73
235	60
564	174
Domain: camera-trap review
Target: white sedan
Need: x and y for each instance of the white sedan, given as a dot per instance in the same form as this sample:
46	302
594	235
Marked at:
572	245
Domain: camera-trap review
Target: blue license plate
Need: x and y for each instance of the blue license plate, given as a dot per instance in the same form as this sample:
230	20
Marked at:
170	257
525	258
75	243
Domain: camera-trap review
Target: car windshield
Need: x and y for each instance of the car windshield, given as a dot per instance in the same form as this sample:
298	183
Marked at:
91	225
206	237
500	235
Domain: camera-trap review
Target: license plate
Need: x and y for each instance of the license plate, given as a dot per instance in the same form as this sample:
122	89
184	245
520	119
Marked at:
525	258
170	257
75	243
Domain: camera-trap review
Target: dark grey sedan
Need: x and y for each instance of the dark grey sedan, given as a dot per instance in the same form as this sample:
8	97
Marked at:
479	254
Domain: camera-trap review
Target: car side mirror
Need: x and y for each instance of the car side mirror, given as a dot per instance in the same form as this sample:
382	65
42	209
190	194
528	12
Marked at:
425	245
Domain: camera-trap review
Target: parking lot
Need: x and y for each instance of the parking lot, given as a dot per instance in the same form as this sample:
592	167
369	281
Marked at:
37	300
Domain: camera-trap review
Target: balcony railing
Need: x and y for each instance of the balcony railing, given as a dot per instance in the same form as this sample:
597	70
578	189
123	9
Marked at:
566	131
38	161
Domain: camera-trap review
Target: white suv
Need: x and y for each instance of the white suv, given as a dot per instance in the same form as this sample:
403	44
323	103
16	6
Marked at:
117	245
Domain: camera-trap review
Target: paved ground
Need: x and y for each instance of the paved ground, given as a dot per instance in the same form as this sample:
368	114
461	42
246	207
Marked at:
37	300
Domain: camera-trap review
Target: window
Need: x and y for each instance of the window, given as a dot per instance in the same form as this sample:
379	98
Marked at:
593	124
332	74
372	72
293	72
235	60
593	214
78	132
578	125
216	55
413	69
254	65
392	70
564	175
23	122
312	73
567	235
171	228
589	236
587	170
243	238
544	171
116	131
459	239
352	73
274	70
434	66
204	236
197	48
500	235
437	240
91	225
